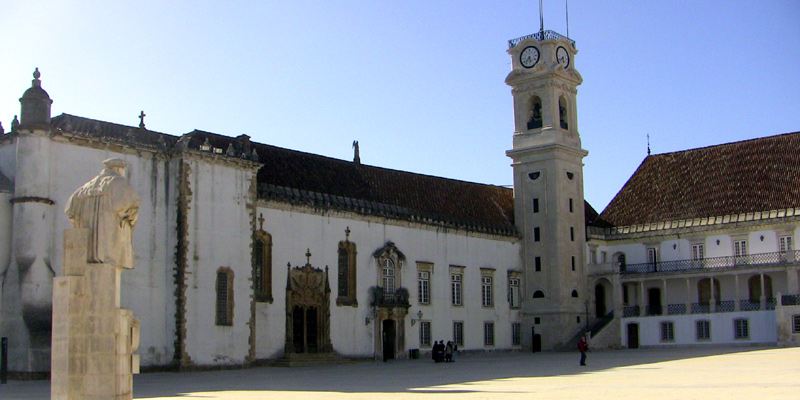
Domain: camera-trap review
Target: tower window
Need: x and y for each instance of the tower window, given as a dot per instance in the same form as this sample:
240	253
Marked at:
574	293
562	113
535	205
535	113
570	205
537	261
534	175
573	263
536	236
571	233
538	294
224	303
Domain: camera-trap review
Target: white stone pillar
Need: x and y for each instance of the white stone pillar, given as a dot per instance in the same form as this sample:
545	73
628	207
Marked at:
736	295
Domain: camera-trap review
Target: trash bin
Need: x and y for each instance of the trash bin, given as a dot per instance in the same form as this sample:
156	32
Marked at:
413	354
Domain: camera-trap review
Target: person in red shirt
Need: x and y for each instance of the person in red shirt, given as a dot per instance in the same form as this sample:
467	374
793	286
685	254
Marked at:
583	347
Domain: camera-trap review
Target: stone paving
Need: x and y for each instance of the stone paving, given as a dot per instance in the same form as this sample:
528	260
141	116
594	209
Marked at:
689	373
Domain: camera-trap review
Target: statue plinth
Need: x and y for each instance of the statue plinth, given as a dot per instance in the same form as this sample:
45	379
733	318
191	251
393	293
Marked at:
93	340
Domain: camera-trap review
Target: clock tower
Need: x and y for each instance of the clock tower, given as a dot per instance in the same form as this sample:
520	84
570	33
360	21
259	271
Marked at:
548	188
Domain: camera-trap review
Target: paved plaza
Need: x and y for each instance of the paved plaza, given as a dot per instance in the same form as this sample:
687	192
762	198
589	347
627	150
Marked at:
694	373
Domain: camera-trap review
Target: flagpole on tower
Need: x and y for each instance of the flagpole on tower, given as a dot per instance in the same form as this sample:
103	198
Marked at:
541	17
566	7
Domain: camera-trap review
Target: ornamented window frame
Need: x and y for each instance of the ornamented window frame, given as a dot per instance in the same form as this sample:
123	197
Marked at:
349	249
424	267
262	293
487	287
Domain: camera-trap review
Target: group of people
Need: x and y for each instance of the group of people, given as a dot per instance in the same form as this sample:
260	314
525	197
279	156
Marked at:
442	352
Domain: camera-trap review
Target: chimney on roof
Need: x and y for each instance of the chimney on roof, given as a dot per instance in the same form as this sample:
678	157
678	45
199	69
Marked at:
356	153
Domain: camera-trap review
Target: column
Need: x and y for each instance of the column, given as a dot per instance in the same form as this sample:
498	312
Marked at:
642	310
688	296
763	299
791	281
736	305
712	307
664	304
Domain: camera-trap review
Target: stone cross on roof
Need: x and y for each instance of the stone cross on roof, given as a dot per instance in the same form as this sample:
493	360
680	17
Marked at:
141	119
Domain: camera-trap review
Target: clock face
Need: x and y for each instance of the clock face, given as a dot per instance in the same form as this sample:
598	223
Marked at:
529	57
562	57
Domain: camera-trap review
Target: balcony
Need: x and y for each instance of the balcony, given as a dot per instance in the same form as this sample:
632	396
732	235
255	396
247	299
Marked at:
776	259
379	297
540	36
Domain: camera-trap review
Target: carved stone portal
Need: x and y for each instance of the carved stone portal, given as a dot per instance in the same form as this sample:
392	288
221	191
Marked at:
307	310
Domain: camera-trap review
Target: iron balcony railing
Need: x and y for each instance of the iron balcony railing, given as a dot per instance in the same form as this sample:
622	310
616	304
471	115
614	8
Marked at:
705	308
540	36
714	263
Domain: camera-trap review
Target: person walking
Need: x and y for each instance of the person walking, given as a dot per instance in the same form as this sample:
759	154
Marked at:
583	347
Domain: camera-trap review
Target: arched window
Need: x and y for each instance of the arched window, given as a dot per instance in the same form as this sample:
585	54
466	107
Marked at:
754	287
563	117
262	266
574	293
538	294
704	291
535	113
224	303
347	274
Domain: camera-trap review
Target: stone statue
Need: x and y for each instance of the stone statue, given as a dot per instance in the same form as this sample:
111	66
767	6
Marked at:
108	206
14	124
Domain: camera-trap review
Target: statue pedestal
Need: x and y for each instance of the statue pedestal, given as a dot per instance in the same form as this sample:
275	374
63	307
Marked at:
93	339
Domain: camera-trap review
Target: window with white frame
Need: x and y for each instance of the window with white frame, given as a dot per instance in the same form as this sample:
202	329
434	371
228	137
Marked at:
741	328
740	249
703	329
425	334
424	271
796	323
667	331
488	333
487	288
513	291
698	251
458	333
388	276
785	244
456	281
652	255
516	331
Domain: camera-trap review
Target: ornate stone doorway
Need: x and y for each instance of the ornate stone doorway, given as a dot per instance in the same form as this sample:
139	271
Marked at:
307	310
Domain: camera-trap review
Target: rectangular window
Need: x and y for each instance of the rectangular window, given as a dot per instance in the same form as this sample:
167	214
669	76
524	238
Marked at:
537	263
488	333
652	256
570	205
740	248
515	334
741	330
486	291
785	244
795	323
455	289
592	256
425	334
703	329
423	287
573	263
698	251
536	236
572	233
667	331
535	205
224	309
603	256
513	292
458	332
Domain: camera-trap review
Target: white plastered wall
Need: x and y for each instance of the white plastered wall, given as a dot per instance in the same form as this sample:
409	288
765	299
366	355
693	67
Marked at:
294	231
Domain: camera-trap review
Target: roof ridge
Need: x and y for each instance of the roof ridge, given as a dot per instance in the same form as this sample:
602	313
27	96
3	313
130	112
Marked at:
66	115
738	142
343	161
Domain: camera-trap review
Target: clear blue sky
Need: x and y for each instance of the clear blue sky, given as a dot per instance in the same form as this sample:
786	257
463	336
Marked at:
420	84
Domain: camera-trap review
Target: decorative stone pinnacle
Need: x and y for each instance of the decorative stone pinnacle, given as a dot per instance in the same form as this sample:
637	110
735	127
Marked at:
36	73
308	256
347	233
261	221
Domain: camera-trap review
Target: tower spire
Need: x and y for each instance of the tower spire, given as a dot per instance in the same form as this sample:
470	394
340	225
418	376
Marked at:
648	144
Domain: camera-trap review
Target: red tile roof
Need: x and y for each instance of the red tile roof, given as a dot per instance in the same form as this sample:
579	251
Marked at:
752	175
